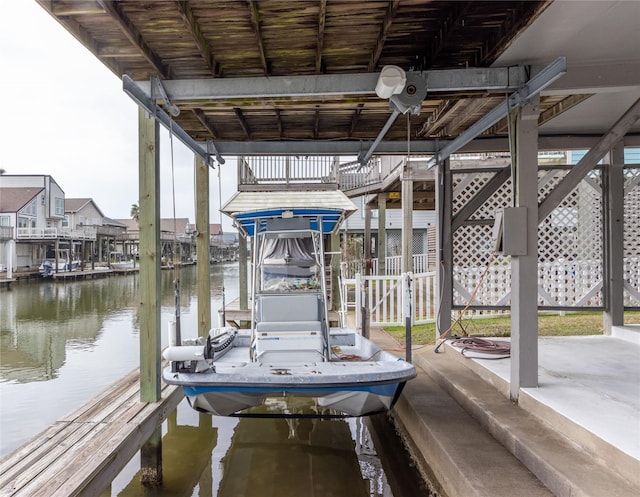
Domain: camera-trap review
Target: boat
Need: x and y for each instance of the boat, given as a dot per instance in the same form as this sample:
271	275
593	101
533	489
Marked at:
61	262
292	361
119	263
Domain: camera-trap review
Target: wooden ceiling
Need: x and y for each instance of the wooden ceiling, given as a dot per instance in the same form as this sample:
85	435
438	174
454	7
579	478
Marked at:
180	40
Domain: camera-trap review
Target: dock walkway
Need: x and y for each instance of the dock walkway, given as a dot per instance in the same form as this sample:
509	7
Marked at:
84	451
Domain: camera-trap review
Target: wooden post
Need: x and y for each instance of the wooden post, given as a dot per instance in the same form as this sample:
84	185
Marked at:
444	247
243	266
524	268
151	460
367	239
203	280
334	242
614	240
382	233
407	222
149	201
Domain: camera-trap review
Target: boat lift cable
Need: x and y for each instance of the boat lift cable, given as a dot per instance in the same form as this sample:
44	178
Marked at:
176	268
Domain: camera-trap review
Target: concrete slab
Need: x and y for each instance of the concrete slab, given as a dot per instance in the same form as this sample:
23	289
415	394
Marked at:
589	386
563	466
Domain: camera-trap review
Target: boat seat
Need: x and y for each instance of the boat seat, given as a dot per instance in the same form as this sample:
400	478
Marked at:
285	326
289	307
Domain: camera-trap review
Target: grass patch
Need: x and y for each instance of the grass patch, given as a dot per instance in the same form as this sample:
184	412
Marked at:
571	324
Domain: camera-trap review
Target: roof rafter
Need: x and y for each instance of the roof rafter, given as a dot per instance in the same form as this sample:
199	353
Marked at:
279	122
242	121
194	28
320	42
453	19
134	36
382	36
255	22
201	116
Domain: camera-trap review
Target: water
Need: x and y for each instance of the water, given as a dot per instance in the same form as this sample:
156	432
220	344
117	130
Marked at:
62	343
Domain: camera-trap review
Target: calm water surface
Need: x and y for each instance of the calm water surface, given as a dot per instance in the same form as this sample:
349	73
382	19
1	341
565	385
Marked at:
62	343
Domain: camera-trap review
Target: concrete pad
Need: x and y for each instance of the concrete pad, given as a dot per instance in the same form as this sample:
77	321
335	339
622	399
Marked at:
563	466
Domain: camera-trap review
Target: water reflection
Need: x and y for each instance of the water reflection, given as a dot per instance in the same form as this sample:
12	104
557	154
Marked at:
63	342
252	457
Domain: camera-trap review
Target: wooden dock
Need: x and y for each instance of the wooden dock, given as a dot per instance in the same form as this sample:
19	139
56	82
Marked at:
83	452
85	274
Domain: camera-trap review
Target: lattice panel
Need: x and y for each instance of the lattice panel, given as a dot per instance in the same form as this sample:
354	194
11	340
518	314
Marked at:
632	237
465	187
569	244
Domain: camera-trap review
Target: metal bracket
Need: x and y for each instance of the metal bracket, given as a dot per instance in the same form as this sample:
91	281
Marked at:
159	93
212	150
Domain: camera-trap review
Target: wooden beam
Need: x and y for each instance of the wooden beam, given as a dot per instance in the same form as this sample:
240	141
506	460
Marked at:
184	8
589	161
354	120
448	26
563	106
133	35
382	35
243	121
320	41
205	122
255	23
149	220
279	123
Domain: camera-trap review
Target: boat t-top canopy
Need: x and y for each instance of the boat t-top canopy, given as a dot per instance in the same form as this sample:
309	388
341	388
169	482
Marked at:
325	209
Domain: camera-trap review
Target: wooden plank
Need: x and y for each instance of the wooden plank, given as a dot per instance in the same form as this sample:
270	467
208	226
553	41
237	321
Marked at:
81	454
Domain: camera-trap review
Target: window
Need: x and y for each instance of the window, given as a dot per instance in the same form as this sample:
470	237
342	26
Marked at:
65	222
23	222
59	206
5	220
29	209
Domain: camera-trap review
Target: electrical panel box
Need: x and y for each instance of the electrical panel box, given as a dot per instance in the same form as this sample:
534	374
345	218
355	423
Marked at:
510	231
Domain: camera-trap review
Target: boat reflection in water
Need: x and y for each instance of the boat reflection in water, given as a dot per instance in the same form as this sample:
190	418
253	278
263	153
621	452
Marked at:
231	457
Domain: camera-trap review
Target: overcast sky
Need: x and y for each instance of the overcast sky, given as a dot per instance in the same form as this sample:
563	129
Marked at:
65	115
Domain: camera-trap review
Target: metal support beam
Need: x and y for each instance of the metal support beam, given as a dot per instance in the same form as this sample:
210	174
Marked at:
528	90
143	100
524	268
488	79
364	158
589	161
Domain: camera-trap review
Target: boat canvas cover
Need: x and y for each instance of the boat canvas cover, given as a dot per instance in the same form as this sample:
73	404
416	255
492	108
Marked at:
332	206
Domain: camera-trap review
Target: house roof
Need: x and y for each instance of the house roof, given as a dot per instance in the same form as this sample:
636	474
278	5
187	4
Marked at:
214	229
76	204
14	199
166	224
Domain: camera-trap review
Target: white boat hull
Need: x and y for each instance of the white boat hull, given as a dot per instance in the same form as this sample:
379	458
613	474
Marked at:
233	385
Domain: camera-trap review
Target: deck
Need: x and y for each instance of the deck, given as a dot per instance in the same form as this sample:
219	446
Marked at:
84	451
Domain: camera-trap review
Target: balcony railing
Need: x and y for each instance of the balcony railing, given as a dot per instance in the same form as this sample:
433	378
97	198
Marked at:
53	233
6	232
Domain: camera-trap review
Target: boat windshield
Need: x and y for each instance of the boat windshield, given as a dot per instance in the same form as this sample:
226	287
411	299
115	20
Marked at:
289	264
